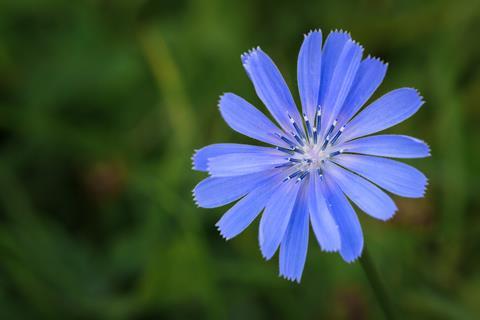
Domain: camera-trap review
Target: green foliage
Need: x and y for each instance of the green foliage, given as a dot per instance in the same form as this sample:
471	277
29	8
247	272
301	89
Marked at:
102	104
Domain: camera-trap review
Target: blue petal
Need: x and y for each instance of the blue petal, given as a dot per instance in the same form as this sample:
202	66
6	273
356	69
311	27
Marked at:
200	158
394	176
349	227
369	76
323	224
271	87
215	192
293	250
276	216
332	51
387	111
341	82
363	193
236	164
389	145
241	215
244	118
309	72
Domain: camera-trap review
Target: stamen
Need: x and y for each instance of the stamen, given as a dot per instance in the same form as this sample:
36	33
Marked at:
293	175
318	123
337	135
320	172
325	143
335	153
295	125
294	160
295	149
289	142
307	124
331	128
284	165
300	142
304	174
327	135
289	151
315	135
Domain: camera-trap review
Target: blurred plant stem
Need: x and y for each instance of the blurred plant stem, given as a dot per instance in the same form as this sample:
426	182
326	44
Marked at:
376	284
178	110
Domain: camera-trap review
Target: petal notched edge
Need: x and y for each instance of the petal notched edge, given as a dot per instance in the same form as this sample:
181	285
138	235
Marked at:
201	156
237	164
215	192
393	176
370	75
309	65
342	79
385	112
244	118
271	87
388	145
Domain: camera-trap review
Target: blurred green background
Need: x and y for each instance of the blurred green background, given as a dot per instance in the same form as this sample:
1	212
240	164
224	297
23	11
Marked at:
102	104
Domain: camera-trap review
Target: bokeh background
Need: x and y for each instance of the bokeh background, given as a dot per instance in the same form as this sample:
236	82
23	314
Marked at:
102	104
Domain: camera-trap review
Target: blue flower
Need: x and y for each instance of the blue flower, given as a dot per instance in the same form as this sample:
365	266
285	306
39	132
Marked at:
316	159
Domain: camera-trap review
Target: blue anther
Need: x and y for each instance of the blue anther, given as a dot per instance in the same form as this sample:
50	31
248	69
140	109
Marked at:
300	142
325	143
331	128
289	151
298	150
290	143
307	124
293	175
318	124
302	176
335	153
284	165
337	135
295	125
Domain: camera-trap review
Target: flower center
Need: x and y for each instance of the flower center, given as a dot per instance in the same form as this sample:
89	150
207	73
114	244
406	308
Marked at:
314	155
308	151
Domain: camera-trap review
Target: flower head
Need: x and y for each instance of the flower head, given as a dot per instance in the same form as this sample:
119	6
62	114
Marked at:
317	158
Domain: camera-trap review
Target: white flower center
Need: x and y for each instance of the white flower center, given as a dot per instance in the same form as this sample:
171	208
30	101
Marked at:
308	151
